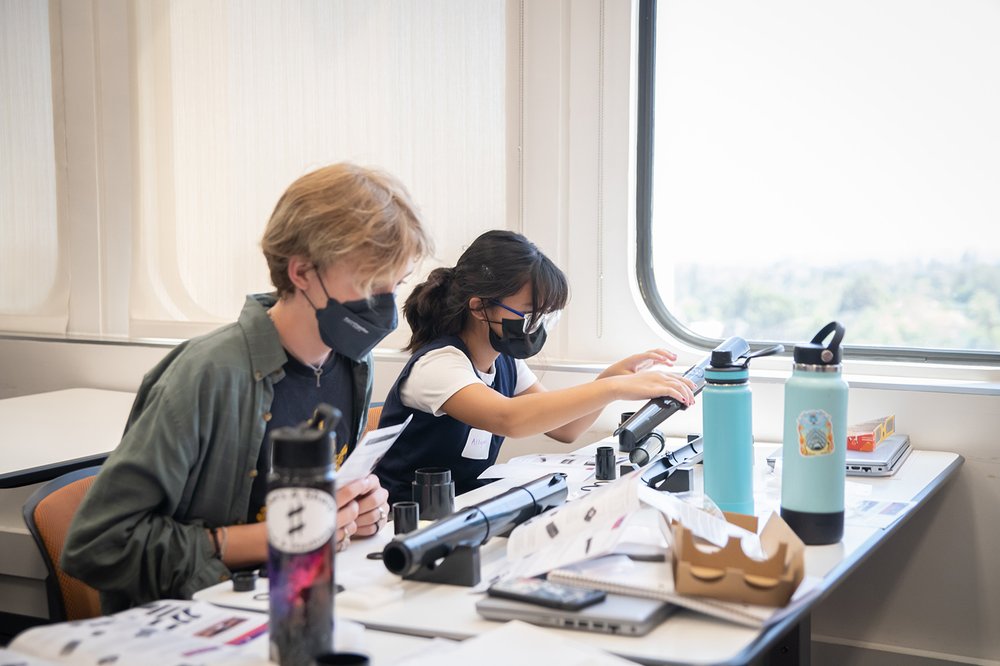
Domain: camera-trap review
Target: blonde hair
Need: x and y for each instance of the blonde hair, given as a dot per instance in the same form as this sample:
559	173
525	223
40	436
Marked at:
344	210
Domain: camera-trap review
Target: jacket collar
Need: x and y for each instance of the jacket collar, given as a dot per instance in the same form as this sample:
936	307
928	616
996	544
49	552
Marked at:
267	356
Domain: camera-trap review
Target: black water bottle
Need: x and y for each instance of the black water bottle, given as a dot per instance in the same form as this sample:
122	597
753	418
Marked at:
301	535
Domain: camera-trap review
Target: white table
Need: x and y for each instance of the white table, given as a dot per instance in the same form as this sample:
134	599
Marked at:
43	436
424	609
47	434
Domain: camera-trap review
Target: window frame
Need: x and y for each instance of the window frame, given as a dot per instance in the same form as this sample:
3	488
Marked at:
645	277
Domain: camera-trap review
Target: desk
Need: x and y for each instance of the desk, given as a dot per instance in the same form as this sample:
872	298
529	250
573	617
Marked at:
48	434
44	436
685	637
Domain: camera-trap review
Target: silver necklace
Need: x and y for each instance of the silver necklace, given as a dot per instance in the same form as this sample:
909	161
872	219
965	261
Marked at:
318	369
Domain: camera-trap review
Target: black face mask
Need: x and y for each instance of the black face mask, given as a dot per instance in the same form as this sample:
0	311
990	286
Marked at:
352	329
515	342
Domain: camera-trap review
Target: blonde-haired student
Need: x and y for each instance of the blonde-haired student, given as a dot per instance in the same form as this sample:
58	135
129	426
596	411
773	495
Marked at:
179	504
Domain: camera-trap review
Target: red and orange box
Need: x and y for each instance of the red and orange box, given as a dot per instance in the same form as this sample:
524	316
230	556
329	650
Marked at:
869	434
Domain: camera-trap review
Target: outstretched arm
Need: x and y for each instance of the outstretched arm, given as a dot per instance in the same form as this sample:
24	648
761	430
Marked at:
627	366
537	410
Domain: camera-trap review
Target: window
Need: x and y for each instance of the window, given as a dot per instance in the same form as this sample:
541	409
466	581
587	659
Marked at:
237	100
33	289
803	162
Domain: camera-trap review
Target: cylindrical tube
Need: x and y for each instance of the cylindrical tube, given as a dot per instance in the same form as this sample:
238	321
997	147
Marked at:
301	533
647	449
472	526
727	431
605	464
405	517
434	491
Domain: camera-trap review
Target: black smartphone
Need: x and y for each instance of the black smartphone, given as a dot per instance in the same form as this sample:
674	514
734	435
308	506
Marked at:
545	593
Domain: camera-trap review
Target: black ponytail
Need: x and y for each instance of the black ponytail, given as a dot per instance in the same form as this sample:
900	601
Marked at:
496	265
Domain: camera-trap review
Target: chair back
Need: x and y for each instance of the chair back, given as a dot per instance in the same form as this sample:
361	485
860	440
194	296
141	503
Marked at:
374	414
48	514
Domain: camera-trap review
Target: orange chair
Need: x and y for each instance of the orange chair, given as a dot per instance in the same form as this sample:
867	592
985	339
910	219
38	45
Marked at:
374	414
48	513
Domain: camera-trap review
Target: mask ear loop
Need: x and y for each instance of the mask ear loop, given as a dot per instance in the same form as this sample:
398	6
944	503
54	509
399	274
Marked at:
322	286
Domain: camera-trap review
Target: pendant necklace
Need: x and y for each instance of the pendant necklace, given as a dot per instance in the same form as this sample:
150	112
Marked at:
318	369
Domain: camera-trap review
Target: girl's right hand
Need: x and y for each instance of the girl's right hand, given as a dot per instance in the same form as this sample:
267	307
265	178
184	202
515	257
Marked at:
653	384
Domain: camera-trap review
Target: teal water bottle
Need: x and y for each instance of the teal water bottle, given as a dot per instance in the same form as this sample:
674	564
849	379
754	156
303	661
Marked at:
814	448
727	429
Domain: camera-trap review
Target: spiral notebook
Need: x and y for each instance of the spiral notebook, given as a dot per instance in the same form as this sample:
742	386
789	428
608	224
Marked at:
655	580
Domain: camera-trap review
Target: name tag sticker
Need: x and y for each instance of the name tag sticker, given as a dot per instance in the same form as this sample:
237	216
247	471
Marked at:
477	447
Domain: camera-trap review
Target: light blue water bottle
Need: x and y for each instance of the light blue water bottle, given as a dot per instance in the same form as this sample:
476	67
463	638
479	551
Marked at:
727	429
814	450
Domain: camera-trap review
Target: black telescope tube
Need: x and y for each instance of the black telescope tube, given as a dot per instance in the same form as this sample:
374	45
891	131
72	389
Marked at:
474	525
654	412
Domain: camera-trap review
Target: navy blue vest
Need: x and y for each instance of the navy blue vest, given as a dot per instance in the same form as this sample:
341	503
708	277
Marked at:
436	441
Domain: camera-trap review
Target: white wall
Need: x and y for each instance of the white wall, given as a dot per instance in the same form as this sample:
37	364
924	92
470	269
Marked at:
931	592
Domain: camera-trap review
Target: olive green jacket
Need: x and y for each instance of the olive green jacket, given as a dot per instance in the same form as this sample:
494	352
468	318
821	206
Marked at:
186	461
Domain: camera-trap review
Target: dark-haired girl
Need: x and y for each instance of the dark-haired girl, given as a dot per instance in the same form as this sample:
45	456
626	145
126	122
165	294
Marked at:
467	385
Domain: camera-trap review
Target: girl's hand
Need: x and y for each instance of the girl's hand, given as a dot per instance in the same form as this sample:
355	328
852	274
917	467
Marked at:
653	384
640	362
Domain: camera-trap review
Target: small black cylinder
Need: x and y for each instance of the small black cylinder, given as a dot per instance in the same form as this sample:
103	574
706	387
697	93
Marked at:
244	581
405	517
606	463
434	491
343	659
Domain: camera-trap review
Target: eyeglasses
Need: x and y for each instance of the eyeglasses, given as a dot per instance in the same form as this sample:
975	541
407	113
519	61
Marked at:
532	320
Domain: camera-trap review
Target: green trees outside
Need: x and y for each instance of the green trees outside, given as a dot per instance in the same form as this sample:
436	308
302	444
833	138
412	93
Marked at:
928	304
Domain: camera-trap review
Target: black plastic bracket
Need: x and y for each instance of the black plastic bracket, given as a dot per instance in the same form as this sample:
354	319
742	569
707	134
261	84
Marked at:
459	567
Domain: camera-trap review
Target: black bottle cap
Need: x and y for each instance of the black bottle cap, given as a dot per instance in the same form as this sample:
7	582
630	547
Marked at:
244	581
309	444
722	358
293	447
815	353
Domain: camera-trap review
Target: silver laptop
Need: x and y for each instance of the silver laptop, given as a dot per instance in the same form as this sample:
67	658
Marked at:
883	461
617	614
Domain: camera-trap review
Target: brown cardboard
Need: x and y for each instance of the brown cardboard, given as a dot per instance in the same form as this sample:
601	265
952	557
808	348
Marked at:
729	574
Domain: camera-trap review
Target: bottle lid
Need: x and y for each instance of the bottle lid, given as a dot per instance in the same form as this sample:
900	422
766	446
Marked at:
301	447
815	353
722	358
309	444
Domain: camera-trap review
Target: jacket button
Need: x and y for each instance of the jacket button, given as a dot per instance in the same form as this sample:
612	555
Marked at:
253	474
267	417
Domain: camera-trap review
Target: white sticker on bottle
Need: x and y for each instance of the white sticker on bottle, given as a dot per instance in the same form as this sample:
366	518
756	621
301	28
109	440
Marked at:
300	520
477	446
815	429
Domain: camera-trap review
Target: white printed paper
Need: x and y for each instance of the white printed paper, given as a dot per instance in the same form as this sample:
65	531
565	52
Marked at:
713	529
368	452
589	526
164	632
874	513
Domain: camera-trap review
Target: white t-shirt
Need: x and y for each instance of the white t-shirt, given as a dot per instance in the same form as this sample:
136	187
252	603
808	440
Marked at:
442	373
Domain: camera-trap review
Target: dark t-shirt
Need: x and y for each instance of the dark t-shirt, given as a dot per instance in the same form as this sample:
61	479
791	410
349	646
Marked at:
295	399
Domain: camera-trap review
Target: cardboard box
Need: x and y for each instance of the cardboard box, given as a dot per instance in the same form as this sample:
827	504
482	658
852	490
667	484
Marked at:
729	574
869	434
